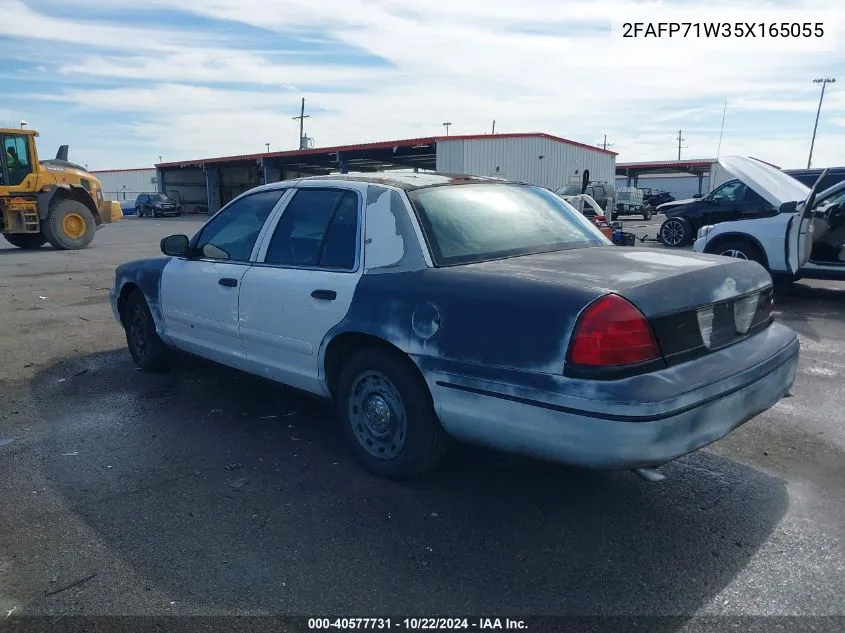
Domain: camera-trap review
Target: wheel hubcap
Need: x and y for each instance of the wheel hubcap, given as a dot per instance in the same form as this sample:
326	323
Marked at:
74	225
732	252
377	415
673	233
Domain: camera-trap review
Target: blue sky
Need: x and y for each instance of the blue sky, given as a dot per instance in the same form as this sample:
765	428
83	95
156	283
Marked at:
126	81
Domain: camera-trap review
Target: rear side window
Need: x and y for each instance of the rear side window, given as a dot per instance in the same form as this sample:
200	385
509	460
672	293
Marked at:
318	229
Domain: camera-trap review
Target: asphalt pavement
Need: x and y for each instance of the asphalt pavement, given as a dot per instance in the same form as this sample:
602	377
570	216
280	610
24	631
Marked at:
206	491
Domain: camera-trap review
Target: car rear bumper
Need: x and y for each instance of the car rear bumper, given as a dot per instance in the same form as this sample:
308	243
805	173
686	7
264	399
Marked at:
666	414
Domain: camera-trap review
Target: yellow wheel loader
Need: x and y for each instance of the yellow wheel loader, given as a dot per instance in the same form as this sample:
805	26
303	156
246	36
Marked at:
51	201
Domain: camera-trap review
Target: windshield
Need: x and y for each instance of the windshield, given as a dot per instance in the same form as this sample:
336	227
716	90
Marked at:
570	190
473	223
159	197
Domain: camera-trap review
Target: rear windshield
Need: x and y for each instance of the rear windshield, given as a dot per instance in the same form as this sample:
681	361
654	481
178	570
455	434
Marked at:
480	222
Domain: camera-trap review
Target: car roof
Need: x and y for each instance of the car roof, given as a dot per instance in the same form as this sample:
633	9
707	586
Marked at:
410	180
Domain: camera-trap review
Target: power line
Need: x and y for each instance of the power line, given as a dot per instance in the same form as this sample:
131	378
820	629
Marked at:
823	82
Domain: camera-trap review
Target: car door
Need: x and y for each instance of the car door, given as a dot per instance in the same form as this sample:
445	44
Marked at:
199	294
302	285
724	203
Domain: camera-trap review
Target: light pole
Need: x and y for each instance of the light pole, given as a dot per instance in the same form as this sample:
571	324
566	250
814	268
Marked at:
268	147
446	125
823	82
23	124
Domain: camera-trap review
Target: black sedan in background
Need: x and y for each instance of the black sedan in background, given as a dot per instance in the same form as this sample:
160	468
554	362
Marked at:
732	200
156	205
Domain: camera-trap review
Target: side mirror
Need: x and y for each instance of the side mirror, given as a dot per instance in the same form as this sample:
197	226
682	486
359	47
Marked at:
789	207
175	245
698	196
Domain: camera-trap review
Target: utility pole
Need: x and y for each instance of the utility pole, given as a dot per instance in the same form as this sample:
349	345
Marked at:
680	140
494	127
604	144
268	147
823	82
302	116
446	125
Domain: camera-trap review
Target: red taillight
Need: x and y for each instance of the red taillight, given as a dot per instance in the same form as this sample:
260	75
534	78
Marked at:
611	331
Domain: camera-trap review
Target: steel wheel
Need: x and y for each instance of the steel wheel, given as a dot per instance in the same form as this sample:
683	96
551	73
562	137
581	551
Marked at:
673	232
74	226
138	331
377	415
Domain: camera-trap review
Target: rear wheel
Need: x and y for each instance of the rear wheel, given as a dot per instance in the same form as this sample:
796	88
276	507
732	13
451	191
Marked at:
26	240
647	214
388	415
675	232
69	226
148	351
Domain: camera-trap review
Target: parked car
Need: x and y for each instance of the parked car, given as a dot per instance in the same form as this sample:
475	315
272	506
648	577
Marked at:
808	177
732	200
156	205
602	192
805	239
654	197
428	306
128	207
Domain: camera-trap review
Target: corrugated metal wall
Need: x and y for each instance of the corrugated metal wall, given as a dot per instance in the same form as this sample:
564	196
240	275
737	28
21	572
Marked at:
520	159
126	184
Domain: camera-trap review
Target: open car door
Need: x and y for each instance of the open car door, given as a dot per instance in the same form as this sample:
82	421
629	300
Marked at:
799	231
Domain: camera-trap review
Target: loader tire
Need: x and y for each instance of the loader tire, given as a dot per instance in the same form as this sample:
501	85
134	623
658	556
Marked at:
27	241
69	225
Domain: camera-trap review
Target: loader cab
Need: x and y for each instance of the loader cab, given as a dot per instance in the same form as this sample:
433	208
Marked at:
17	156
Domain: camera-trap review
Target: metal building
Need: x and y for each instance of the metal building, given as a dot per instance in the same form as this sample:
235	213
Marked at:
126	184
207	184
541	159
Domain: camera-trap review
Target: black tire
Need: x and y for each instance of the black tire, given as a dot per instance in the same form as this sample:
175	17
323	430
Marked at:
411	440
138	212
646	214
148	351
66	214
675	232
28	241
740	249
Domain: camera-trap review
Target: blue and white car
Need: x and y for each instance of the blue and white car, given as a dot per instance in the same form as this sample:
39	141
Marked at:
431	307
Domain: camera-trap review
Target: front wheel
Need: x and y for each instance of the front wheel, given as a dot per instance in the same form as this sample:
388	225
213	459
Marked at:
675	232
388	415
739	249
647	214
148	351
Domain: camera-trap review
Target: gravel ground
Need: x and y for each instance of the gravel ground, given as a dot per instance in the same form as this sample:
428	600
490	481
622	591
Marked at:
209	492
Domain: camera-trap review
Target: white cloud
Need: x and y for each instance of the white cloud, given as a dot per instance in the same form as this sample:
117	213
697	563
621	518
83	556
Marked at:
469	62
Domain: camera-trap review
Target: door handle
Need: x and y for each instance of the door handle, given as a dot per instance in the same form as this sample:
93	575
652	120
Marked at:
228	282
328	295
